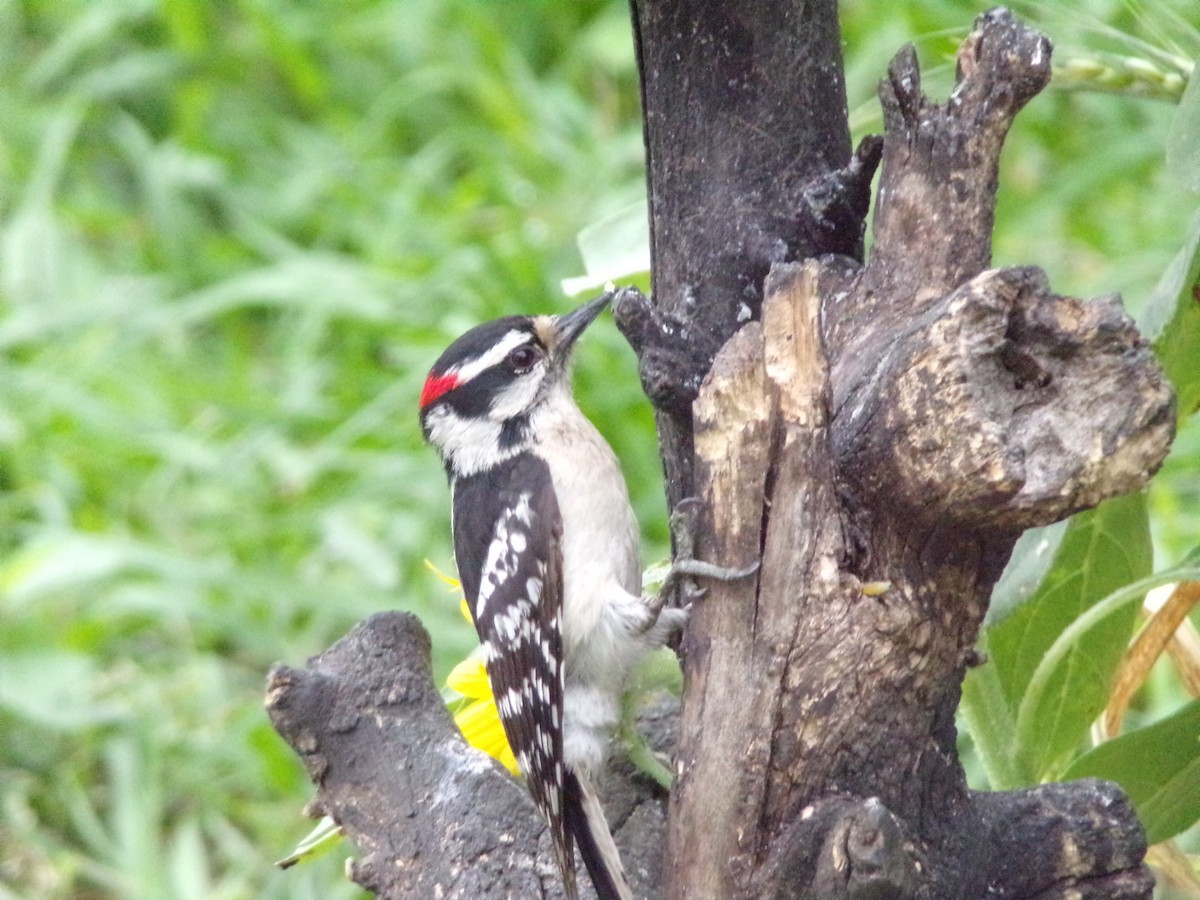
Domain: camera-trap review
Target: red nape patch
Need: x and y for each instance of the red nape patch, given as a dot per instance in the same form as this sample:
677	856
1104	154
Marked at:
436	386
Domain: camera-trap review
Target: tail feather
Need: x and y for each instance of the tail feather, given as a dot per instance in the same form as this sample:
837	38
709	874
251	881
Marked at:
586	824
564	855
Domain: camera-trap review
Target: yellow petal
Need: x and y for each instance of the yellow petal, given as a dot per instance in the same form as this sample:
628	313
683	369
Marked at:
479	723
470	679
449	580
505	758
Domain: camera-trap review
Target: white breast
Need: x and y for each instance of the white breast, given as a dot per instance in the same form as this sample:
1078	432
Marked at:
600	532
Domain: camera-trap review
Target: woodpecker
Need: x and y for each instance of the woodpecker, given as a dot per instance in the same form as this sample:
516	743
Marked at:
547	550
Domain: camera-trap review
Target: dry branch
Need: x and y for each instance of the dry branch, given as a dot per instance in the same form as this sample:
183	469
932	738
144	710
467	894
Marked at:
428	815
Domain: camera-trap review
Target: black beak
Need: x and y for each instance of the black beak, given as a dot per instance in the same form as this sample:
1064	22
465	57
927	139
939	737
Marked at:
570	326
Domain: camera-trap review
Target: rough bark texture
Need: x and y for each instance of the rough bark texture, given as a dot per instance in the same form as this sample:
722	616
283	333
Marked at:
900	421
746	135
429	815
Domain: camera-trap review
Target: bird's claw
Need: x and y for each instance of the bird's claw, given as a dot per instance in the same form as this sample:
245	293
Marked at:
685	566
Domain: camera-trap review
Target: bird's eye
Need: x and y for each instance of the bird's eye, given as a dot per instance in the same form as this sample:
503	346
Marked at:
521	359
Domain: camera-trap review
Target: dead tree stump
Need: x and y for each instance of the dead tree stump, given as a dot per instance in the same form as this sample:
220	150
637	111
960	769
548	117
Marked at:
897	421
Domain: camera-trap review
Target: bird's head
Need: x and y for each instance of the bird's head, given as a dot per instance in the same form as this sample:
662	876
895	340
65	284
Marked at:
483	391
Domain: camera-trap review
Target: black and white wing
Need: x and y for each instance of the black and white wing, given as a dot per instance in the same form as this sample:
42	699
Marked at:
507	543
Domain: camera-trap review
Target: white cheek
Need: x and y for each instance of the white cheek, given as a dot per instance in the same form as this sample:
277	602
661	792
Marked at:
518	397
471	444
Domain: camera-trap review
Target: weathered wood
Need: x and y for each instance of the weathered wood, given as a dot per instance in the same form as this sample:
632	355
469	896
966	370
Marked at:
762	454
1048	405
733	442
967	404
391	768
428	815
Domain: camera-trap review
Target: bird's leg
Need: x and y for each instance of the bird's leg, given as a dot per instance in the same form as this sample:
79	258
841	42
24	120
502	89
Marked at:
685	568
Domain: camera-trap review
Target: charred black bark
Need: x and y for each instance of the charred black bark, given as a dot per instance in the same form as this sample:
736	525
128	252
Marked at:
428	815
748	164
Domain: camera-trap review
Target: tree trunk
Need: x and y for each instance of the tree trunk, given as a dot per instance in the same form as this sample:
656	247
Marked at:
746	131
897	422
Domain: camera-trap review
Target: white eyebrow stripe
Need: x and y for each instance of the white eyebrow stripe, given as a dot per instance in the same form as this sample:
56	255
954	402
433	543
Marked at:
495	354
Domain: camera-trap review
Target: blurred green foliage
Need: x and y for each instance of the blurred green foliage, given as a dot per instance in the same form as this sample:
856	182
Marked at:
233	236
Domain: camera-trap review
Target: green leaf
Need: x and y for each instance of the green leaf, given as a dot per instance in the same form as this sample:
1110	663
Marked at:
1115	603
55	689
615	248
1031	559
1102	551
327	835
1171	319
1183	140
999	730
993	727
1158	767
